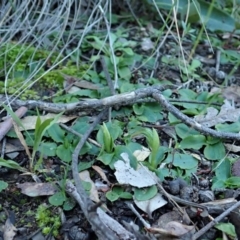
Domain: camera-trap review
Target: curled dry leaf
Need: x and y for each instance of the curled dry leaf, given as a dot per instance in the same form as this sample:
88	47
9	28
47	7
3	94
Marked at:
9	230
227	114
232	147
125	174
142	154
152	204
85	176
101	173
37	189
147	44
232	93
29	122
179	229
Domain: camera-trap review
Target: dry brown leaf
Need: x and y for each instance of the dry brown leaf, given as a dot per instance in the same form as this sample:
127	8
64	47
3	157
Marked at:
9	230
37	189
228	113
101	173
232	147
21	139
232	93
29	122
178	229
85	176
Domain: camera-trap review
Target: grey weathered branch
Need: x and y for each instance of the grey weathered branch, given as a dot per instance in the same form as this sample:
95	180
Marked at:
121	100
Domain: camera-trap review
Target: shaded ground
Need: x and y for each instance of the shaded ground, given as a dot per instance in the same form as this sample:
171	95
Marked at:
165	66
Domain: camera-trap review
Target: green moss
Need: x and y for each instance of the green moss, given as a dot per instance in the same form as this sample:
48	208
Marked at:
47	220
22	62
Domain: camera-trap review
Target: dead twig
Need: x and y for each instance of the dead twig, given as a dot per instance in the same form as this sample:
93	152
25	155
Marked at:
215	221
125	99
103	225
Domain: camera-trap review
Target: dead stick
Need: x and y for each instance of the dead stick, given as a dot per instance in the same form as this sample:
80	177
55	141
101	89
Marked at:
215	221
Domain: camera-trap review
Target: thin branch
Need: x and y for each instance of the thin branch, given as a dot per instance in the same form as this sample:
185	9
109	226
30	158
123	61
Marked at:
215	221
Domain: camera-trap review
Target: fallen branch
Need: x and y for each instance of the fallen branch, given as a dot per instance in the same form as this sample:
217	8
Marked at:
215	221
120	100
103	225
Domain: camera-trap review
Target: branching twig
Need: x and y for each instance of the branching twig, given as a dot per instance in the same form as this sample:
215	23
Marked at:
190	122
103	225
126	99
215	221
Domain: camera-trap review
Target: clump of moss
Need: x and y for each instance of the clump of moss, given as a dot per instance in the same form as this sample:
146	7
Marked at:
47	220
23	61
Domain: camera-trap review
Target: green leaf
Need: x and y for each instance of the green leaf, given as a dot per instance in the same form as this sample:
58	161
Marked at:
40	129
212	17
129	149
81	125
106	158
143	194
84	165
48	148
11	164
124	72
227	228
223	171
232	182
233	127
3	185
87	186
64	153
194	142
112	196
69	204
128	51
57	199
56	133
168	5
217	184
125	195
184	131
184	161
215	151
105	139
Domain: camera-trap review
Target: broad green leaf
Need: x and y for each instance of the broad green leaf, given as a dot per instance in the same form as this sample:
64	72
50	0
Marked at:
106	158
193	142
57	199
3	185
124	72
129	149
212	17
168	5
227	228
126	195
143	194
232	182
183	161
223	171
64	153
215	151
218	184
212	140
128	51
69	204
112	196
11	164
233	127
138	108
48	148
184	131
84	165
56	133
